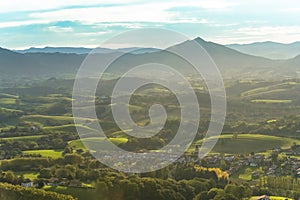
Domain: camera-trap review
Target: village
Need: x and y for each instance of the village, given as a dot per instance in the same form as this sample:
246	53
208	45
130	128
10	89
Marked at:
277	162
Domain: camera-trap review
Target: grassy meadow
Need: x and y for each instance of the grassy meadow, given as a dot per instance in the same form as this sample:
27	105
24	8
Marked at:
46	153
246	143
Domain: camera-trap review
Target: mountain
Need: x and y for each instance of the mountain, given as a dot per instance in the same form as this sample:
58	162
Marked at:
82	50
11	61
270	50
232	63
292	65
37	64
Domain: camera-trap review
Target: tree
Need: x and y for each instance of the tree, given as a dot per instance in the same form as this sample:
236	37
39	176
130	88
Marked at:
10	177
235	135
212	193
73	159
45	173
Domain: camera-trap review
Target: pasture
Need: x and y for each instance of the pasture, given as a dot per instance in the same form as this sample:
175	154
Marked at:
271	101
46	153
274	198
78	144
247	143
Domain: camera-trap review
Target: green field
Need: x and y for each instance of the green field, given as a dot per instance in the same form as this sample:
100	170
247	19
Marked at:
28	174
271	101
22	138
68	128
247	143
6	128
269	89
5	95
273	198
54	97
11	110
77	144
80	193
46	153
57	120
7	101
245	173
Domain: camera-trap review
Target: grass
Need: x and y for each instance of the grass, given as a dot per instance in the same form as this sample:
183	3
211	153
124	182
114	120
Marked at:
28	174
268	89
7	101
46	153
118	134
247	143
246	173
11	110
273	198
77	144
68	128
6	128
59	120
5	95
80	193
22	138
51	98
271	101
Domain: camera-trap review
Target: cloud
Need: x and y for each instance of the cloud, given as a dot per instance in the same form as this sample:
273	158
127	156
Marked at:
223	24
270	30
23	23
102	11
34	5
225	21
137	13
58	29
284	34
145	12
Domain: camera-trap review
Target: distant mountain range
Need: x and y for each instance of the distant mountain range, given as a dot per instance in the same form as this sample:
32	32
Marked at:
82	50
270	50
58	62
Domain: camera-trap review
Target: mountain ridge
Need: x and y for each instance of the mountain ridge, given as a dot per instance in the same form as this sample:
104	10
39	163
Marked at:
231	62
269	49
83	50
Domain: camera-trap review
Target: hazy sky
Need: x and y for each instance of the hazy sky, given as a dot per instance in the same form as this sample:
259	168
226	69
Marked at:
25	23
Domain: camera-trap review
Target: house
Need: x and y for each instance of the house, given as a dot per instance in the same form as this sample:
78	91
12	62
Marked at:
53	182
298	173
27	184
255	175
229	158
264	197
253	164
75	183
35	128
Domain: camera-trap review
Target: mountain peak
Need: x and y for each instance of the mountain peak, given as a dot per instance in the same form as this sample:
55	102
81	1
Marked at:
199	40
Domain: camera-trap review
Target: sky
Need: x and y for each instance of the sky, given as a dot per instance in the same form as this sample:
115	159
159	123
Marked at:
87	23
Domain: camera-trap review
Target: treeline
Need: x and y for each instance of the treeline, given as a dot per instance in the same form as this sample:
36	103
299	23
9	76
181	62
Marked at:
113	185
13	148
8	114
13	192
284	186
25	164
285	126
182	181
230	192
